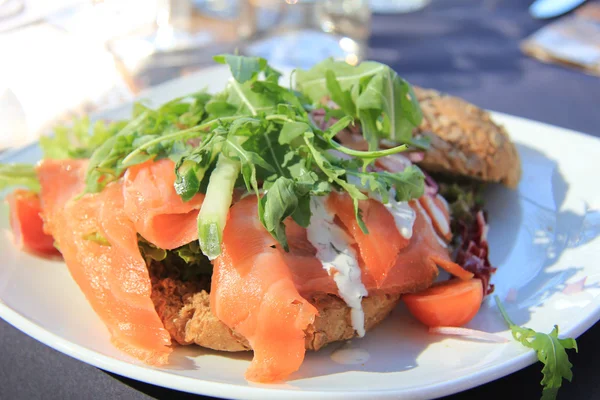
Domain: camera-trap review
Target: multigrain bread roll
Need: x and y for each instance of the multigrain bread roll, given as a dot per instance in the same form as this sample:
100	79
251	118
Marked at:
184	308
465	141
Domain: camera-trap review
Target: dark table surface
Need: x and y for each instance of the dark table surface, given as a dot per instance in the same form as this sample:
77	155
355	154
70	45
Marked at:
467	48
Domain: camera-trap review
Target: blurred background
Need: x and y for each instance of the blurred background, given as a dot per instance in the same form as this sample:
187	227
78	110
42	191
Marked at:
60	58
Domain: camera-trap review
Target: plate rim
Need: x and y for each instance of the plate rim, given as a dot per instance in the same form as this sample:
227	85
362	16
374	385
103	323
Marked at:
169	380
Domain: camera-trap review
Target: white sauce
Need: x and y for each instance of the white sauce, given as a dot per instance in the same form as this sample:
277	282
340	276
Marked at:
437	215
338	259
350	356
426	216
404	215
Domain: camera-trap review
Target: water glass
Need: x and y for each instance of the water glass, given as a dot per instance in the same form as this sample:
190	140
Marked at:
397	6
300	33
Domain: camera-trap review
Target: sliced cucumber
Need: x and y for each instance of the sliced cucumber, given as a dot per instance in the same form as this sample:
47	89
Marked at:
213	213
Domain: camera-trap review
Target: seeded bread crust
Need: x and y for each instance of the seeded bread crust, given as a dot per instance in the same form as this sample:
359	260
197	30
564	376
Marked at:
185	311
465	141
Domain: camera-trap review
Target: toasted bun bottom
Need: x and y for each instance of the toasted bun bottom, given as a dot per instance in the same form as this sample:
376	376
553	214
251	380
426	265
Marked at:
184	308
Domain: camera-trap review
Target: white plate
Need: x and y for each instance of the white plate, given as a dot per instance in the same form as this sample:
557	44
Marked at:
541	237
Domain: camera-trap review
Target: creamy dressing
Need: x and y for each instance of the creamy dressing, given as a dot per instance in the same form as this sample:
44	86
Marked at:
428	219
347	356
338	259
437	215
404	215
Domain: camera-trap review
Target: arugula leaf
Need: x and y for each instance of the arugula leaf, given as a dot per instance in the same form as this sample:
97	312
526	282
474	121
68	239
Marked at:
292	130
407	184
248	161
551	351
242	68
149	134
191	253
98	238
218	107
462	197
260	135
343	98
372	93
246	100
17	174
78	140
278	203
313	82
185	262
189	176
151	252
392	95
105	162
192	165
334	174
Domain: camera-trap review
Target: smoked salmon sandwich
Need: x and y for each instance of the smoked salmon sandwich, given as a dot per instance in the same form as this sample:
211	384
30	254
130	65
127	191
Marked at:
269	218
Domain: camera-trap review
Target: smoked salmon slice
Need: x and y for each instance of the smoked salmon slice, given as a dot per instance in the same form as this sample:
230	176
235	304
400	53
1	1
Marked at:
307	271
414	268
253	292
157	211
27	225
437	209
257	289
380	247
100	247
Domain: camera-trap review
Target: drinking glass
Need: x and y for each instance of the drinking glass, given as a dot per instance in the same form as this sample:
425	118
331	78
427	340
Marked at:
300	33
397	6
183	32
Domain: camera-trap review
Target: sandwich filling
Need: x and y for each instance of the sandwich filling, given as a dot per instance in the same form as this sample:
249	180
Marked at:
243	217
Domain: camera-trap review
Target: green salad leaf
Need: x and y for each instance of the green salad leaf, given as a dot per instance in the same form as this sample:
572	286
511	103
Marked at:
147	136
260	137
462	197
78	140
242	68
371	92
551	351
18	174
186	262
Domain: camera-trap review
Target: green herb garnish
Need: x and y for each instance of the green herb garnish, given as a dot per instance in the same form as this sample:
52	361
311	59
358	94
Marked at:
261	136
78	140
17	174
551	351
98	238
186	262
371	92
